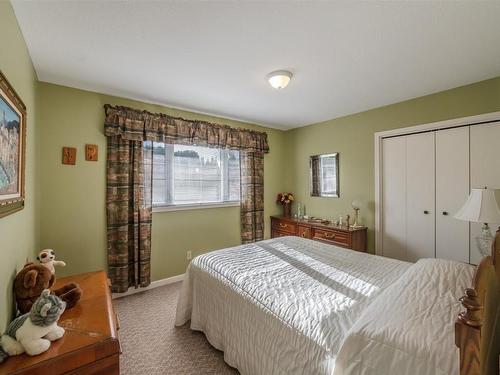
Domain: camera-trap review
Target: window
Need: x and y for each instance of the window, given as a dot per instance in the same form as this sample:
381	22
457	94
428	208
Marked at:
193	175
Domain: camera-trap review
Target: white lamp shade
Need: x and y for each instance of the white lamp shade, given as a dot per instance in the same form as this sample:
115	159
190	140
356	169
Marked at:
481	207
356	204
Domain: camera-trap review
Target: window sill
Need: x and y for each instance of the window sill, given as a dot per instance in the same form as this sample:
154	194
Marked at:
185	207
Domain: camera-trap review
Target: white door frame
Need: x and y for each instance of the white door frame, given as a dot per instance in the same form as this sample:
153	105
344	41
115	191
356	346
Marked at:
379	136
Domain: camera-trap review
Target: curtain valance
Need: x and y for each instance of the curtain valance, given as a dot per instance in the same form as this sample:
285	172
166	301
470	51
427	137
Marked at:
134	125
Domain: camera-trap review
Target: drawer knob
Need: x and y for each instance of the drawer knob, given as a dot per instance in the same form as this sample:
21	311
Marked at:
426	212
445	213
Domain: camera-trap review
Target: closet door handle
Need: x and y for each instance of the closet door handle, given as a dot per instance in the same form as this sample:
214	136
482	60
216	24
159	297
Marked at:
426	212
445	213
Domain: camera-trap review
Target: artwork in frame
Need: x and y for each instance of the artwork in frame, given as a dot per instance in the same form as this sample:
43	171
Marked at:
12	149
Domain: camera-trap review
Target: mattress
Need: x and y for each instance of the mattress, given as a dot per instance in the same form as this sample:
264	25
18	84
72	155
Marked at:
285	305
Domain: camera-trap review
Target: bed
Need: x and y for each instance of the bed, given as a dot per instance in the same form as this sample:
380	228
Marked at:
295	306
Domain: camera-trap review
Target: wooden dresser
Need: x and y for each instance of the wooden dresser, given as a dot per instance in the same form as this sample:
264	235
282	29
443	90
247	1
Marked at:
351	238
90	344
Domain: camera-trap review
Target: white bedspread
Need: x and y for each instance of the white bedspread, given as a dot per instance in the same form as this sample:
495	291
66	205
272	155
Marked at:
409	329
282	306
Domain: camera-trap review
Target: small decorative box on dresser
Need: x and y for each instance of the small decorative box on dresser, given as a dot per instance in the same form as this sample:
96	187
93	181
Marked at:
90	345
351	238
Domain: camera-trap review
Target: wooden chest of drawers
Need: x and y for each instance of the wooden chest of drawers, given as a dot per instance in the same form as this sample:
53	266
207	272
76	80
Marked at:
90	344
352	238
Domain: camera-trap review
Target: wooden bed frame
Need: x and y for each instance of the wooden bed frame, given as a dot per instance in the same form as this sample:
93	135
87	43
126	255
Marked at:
477	329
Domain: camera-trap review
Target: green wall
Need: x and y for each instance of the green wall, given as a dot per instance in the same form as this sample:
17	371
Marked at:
73	216
353	137
18	232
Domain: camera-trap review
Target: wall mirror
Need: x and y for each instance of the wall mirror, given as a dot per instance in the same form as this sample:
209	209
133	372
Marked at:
324	171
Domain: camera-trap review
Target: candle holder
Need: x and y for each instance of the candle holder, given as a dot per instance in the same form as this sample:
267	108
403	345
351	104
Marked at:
355	206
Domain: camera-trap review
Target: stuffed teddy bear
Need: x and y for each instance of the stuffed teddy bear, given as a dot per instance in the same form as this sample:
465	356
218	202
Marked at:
33	279
33	331
47	258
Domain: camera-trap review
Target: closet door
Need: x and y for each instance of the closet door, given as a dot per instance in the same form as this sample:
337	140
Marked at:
394	197
485	171
452	190
420	197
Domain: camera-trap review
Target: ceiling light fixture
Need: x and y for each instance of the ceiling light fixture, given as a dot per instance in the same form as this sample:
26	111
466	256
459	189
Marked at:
279	79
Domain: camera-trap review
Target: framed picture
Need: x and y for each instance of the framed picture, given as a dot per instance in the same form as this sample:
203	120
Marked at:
12	149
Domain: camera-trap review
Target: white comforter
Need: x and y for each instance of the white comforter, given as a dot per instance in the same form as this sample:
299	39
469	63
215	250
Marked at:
282	306
409	328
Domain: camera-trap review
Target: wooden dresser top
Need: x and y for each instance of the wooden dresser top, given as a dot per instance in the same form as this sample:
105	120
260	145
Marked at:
318	224
90	331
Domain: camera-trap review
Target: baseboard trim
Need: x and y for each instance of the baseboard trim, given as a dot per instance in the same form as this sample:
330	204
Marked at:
154	284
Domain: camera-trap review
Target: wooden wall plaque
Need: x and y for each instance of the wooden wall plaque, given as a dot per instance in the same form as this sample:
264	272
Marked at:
91	152
69	155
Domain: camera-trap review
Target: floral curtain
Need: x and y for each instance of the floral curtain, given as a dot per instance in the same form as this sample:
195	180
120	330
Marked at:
129	173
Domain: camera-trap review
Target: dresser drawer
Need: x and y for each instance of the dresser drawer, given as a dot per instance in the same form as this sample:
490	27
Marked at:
284	226
332	237
279	233
304	232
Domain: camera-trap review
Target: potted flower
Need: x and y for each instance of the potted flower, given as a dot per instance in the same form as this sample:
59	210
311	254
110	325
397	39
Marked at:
285	199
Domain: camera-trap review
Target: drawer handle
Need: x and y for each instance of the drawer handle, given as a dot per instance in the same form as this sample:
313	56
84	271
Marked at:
426	212
329	235
303	234
282	225
445	213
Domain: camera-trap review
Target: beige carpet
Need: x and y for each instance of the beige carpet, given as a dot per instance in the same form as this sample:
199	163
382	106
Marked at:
152	345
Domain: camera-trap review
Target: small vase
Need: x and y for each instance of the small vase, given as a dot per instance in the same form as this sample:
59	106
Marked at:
287	210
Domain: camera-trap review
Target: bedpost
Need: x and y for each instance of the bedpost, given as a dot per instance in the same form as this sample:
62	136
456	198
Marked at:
480	318
468	333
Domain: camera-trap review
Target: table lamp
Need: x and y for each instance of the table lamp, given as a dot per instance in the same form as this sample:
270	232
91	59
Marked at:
481	207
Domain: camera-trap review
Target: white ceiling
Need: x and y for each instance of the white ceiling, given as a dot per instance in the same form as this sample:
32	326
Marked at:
212	57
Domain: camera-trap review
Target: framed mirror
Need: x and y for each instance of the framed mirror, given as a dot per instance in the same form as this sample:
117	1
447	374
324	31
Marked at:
324	175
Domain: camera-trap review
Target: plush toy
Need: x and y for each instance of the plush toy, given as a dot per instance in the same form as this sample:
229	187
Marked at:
47	258
33	279
33	331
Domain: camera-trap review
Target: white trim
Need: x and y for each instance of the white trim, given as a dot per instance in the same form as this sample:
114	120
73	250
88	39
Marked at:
433	126
154	284
453	123
196	206
378	195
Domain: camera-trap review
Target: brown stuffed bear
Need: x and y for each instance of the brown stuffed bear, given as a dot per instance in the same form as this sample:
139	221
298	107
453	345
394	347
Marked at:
33	279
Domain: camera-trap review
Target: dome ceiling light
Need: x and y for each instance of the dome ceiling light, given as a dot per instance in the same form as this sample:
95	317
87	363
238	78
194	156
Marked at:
279	79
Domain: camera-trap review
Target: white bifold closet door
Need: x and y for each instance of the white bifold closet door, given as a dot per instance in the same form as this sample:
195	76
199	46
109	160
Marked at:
394	197
485	172
420	197
452	190
408	194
